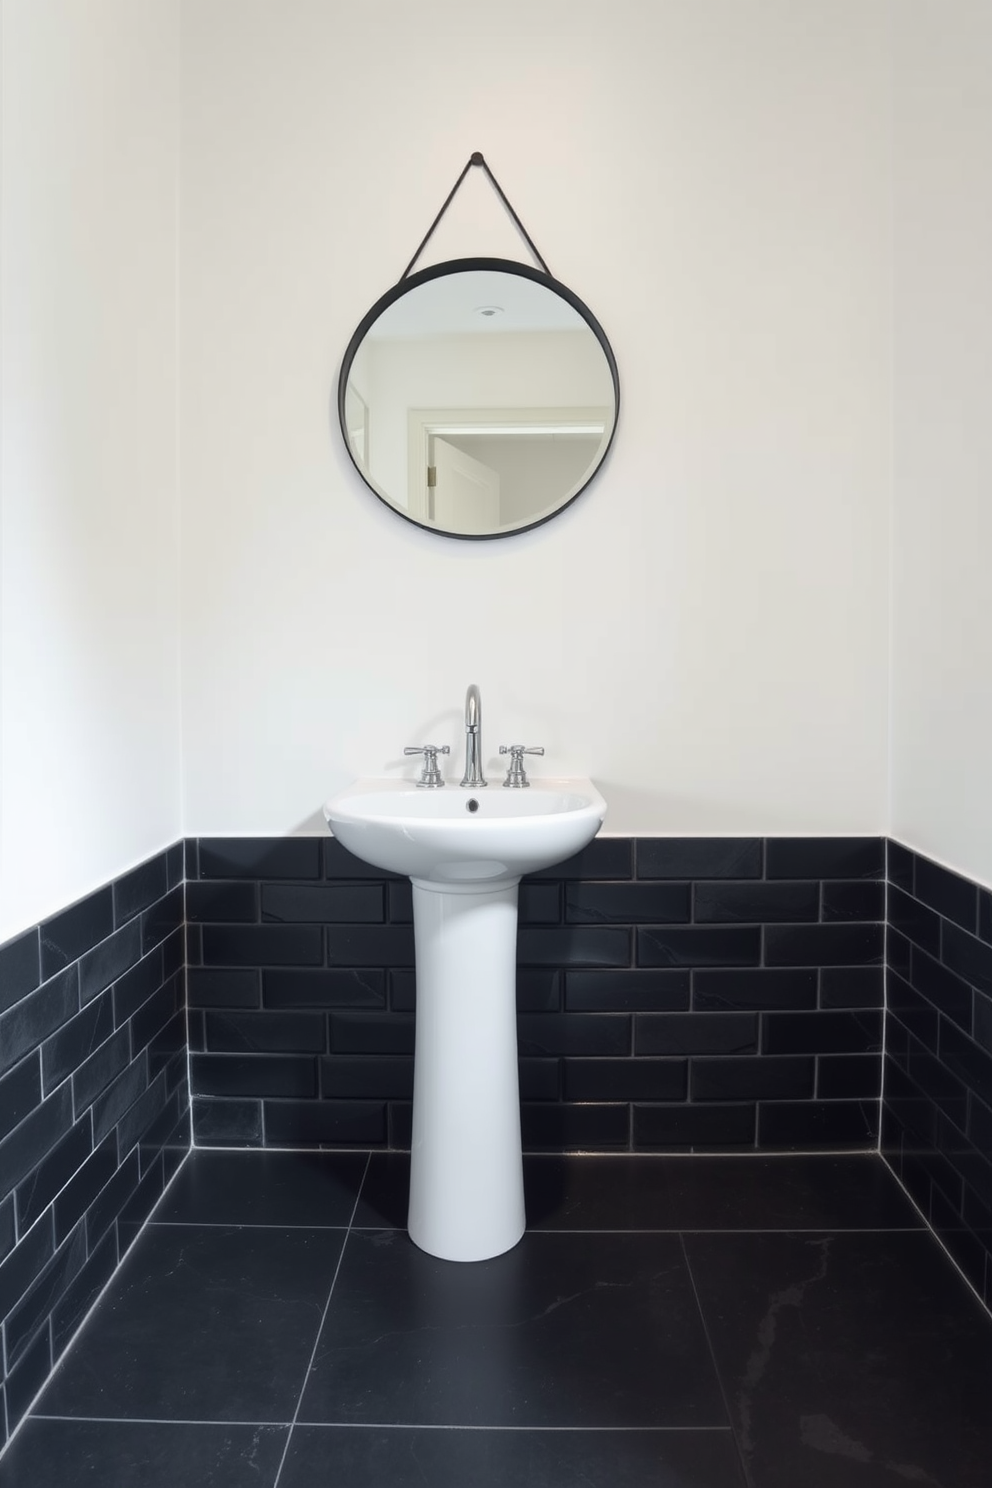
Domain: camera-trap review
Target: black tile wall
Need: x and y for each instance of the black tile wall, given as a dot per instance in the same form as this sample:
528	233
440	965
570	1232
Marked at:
672	993
937	1092
94	1109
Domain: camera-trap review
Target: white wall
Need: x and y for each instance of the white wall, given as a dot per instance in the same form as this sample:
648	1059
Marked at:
89	739
942	531
705	631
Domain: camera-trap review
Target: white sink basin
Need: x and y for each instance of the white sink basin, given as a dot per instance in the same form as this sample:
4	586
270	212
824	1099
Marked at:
457	835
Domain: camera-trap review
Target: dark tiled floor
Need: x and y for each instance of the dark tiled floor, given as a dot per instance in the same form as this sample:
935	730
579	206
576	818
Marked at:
665	1323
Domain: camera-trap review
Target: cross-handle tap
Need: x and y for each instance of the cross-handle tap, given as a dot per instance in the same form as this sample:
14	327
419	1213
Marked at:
430	775
473	739
516	775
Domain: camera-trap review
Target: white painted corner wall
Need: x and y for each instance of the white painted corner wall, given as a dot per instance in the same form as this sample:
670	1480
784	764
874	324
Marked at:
89	635
941	776
707	631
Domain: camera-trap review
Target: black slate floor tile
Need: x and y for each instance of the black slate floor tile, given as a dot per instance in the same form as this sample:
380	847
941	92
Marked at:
411	1457
854	1360
121	1454
265	1188
563	1330
714	1193
202	1324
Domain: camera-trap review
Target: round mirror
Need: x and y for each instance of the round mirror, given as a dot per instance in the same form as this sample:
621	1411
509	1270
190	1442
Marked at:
478	397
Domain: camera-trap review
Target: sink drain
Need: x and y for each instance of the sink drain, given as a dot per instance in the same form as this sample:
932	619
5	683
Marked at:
472	805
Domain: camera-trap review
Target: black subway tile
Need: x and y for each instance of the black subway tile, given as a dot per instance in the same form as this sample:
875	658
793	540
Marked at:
627	991
266	1033
367	1077
361	945
136	986
942	988
913	1011
730	903
855	1031
969	957
67	936
545	1126
700	1128
857	899
539	1079
174	867
699	857
539	903
939	1082
79	1296
109	960
698	946
538	990
227	1123
327	903
735	1078
258	857
913	1109
371	1033
84	1186
852	986
364	987
626	903
625	1079
20	968
982	1022
263	945
331	1122
167	1049
141	1203
695	1033
965	1059
722	990
801	1124
823	945
403	989
101	1069
399	901
574	945
573	1033
153	1016
399	1125
115	1100
210	987
340	863
140	888
898	952
900	866
914	920
51	1175
952	896
825	857
34	1138
222	901
67	1049
25	1263
140	1116
985	915
253	1074
605	857
849	1076
110	1201
30	1021
20	1093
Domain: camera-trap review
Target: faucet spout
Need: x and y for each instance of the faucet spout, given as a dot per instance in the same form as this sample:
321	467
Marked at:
473	739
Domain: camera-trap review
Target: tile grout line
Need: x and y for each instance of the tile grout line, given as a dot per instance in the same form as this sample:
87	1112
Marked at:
927	1228
368	1425
745	1474
320	1328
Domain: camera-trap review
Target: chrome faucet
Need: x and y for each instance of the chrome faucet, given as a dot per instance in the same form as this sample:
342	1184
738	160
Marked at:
473	739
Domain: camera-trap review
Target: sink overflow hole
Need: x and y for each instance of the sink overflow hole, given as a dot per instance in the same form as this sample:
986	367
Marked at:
472	805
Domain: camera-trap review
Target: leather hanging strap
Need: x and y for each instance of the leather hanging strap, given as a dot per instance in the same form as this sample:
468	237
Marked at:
477	158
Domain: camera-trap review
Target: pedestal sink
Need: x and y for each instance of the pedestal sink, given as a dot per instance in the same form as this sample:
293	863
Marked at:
465	851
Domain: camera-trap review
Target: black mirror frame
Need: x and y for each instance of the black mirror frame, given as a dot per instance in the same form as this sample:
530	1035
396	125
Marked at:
461	266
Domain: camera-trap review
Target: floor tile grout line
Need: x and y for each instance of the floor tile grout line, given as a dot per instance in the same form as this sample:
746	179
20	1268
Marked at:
320	1328
929	1230
369	1425
745	1475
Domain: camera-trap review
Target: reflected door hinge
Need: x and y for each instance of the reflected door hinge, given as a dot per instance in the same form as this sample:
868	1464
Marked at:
431	477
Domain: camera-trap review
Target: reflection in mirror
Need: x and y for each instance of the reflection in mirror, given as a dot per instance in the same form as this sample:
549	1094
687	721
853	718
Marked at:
478	397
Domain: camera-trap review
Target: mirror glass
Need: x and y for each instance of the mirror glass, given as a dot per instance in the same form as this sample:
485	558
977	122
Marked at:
478	397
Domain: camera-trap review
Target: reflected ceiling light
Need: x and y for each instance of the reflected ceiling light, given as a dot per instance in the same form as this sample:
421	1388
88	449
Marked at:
488	311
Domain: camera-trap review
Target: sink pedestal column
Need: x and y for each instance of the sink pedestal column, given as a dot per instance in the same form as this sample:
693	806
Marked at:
466	1175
